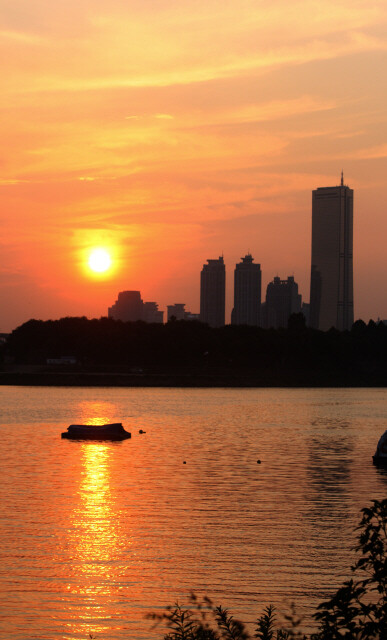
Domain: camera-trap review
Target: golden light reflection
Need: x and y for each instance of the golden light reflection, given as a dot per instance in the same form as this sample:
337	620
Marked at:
96	412
95	520
95	538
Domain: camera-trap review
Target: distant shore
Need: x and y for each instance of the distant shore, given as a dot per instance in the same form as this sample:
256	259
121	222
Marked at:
185	380
108	353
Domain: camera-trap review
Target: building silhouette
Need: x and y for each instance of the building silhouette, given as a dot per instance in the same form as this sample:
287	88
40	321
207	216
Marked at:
194	317
247	292
305	309
331	282
282	299
213	293
176	311
151	313
129	307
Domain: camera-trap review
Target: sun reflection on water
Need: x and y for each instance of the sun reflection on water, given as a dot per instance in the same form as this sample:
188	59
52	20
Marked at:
95	520
92	412
95	536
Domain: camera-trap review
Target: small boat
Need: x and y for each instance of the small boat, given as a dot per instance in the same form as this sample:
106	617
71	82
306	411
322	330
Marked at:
113	431
380	457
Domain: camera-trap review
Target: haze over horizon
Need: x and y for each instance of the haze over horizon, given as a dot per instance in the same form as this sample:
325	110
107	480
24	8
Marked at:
169	133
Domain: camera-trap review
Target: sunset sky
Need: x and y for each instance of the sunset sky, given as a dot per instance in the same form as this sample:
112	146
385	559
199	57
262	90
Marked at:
172	131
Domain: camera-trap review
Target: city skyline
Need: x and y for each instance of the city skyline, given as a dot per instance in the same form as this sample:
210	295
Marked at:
205	133
281	301
247	280
331	302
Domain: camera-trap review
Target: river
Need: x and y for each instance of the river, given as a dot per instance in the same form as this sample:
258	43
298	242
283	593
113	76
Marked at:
93	536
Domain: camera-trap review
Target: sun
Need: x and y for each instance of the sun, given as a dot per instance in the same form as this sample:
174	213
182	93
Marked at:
99	260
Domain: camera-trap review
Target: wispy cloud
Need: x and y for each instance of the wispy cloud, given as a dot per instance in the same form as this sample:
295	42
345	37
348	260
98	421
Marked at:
21	38
370	153
5	182
195	44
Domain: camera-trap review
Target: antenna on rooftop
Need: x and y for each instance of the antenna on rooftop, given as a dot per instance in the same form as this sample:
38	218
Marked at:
342	178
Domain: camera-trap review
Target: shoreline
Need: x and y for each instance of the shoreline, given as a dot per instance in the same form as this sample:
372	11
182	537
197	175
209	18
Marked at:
188	380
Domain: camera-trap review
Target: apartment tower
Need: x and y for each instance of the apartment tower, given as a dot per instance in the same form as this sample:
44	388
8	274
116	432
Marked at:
282	300
331	283
247	292
213	293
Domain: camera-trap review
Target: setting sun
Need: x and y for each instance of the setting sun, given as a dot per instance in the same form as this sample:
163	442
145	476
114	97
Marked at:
99	260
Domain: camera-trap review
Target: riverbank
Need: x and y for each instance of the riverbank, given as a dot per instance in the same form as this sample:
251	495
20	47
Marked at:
186	380
82	352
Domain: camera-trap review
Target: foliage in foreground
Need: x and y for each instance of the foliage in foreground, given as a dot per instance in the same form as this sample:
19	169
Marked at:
357	611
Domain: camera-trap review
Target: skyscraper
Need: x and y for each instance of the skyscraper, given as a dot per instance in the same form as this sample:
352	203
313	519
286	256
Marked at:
331	282
213	293
247	292
282	299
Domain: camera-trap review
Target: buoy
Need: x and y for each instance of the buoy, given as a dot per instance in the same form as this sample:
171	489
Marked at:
258	462
184	462
141	431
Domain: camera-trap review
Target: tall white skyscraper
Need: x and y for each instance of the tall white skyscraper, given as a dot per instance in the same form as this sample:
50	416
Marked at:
331	283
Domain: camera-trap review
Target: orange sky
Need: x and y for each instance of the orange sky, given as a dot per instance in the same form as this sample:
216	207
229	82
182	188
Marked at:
174	131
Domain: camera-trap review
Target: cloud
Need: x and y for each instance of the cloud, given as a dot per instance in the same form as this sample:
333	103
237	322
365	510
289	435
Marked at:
371	153
118	46
4	182
21	38
158	116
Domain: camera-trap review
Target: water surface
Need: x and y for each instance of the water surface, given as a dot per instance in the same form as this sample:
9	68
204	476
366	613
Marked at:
95	535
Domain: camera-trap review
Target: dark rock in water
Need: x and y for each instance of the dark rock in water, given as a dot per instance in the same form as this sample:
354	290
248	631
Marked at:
380	457
258	462
113	431
379	461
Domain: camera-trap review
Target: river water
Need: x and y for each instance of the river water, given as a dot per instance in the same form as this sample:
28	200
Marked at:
93	536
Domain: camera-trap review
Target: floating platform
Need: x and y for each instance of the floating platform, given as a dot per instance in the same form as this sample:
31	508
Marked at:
113	431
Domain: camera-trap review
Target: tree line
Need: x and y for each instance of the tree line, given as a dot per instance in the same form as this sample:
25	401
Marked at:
296	353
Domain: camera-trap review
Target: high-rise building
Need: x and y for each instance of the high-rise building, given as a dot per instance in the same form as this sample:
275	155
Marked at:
282	299
247	292
305	309
213	293
331	282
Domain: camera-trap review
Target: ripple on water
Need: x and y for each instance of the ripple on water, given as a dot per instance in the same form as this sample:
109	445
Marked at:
95	535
